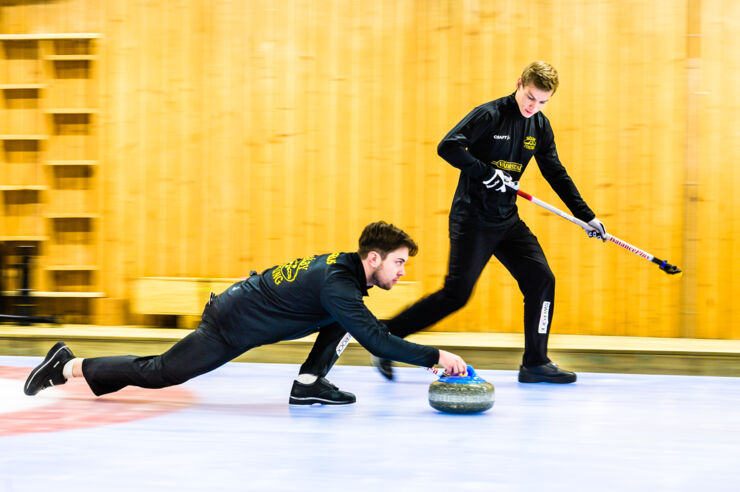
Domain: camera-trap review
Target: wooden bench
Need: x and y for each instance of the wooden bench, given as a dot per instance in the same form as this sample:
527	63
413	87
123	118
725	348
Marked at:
186	296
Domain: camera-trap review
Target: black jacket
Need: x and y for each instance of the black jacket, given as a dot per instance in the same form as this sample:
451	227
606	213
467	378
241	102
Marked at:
295	299
495	135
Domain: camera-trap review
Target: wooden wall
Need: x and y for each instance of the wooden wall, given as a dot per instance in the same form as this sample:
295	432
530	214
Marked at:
717	175
239	134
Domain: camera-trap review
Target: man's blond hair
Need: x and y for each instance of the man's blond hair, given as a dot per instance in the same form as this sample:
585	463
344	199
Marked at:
542	75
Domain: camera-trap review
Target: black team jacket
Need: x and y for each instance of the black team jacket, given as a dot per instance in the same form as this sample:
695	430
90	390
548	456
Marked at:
295	299
495	135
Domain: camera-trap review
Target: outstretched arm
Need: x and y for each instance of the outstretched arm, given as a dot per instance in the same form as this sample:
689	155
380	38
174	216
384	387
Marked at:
341	298
557	176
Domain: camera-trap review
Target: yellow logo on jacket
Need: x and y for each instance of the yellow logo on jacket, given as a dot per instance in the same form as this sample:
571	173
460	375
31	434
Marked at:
289	271
529	143
508	166
332	258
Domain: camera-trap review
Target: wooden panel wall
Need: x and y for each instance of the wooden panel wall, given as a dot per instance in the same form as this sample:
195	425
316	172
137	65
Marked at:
718	176
239	134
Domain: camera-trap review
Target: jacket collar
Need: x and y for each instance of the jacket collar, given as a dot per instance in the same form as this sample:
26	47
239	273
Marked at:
360	272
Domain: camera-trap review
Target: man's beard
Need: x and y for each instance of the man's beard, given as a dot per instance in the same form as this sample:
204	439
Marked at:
376	281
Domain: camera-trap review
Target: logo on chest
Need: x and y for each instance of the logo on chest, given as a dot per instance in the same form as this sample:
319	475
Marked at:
508	166
529	143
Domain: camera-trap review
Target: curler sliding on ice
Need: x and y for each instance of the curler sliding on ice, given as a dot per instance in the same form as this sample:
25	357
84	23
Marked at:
662	264
314	294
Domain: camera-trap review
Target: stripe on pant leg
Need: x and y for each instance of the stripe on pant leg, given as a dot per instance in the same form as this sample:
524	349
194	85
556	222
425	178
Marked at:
544	317
343	344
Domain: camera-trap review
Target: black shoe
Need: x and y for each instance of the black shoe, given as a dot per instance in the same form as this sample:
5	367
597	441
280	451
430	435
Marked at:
384	367
321	391
546	373
49	372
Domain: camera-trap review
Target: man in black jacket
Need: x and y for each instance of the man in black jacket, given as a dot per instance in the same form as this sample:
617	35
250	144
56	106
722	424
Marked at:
492	146
318	293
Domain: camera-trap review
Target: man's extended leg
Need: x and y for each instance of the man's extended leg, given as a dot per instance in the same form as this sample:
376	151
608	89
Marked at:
522	255
199	352
311	386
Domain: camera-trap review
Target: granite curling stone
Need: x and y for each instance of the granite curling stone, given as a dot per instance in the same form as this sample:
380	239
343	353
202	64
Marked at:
461	394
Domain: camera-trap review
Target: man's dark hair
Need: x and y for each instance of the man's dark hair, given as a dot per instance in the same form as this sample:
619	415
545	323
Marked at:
383	238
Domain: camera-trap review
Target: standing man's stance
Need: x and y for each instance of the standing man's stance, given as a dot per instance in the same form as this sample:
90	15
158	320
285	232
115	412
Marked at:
318	293
490	145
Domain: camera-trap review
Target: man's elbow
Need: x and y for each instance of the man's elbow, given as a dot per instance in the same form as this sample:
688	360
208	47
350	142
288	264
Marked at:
445	148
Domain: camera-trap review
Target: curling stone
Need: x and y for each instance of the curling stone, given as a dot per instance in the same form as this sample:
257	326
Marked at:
461	394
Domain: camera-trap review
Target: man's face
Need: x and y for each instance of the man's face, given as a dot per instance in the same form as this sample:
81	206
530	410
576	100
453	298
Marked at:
530	99
388	271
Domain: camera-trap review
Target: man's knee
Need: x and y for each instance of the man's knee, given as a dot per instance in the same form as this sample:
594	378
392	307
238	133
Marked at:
548	278
455	298
541	281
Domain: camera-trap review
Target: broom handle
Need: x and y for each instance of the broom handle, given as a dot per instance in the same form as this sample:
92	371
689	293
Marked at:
664	265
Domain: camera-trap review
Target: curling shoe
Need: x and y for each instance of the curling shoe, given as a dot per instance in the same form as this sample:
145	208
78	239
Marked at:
320	391
546	373
49	372
384	367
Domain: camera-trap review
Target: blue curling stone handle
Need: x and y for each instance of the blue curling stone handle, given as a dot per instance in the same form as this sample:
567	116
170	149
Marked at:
470	378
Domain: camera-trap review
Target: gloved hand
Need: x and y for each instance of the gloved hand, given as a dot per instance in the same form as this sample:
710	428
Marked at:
497	180
596	229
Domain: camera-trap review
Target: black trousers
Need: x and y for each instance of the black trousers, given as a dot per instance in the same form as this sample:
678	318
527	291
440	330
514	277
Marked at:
470	249
200	352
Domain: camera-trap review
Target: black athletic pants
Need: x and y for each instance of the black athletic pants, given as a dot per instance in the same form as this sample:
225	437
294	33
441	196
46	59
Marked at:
200	352
470	249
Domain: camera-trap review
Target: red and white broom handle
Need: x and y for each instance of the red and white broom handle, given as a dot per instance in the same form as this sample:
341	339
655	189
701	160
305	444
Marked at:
662	264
